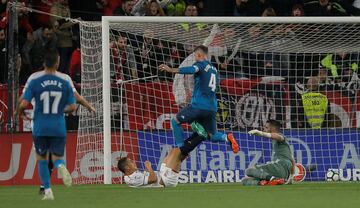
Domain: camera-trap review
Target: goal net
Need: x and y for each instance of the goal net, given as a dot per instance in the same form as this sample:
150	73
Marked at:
302	72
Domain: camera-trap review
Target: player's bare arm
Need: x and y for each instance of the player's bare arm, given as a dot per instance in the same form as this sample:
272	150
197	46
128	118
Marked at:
152	177
274	136
164	67
21	109
82	101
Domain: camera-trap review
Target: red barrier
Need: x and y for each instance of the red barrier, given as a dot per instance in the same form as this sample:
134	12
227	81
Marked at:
18	164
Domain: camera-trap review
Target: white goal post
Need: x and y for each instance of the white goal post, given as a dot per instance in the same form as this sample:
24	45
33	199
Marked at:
311	38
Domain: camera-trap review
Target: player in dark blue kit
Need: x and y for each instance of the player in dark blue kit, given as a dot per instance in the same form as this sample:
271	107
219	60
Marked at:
53	97
201	113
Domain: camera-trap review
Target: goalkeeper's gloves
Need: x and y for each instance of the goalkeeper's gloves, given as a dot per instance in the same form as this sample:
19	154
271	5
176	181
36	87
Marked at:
256	132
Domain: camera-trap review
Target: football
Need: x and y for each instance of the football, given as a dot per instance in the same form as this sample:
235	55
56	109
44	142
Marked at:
332	175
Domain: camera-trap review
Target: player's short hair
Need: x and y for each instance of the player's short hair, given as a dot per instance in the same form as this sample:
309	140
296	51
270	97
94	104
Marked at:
51	58
274	123
122	163
202	48
47	26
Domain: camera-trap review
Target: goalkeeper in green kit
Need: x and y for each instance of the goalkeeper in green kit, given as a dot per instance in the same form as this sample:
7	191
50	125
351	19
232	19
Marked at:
280	168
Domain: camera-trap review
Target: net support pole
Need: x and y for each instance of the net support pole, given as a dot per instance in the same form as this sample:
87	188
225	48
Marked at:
106	100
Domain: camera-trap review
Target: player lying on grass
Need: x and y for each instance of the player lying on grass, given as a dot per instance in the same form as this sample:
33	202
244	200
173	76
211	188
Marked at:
203	107
169	170
53	97
282	164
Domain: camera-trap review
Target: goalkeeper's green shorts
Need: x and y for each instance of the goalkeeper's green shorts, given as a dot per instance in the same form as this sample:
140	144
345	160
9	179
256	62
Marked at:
279	168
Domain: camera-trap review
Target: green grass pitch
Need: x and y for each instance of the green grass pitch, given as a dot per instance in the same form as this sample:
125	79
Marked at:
304	195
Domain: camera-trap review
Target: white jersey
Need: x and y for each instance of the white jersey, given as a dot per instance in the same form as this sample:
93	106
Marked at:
141	179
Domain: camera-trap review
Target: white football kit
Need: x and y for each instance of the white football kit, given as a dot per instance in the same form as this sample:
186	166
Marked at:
166	175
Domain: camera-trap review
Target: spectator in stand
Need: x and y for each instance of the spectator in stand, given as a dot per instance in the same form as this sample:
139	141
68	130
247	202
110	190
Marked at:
352	6
268	12
125	8
324	8
249	7
175	8
108	6
123	58
191	10
3	4
63	31
34	50
44	6
297	10
3	66
75	66
311	107
154	9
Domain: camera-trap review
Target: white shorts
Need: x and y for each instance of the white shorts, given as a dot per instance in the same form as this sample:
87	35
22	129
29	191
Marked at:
169	177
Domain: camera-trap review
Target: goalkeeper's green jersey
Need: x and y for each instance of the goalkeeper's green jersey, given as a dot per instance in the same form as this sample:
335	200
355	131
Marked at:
281	150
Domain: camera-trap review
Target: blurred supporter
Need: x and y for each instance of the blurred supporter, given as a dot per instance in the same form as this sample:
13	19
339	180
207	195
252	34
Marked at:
341	72
75	66
175	7
152	53
324	8
249	7
3	65
124	9
108	6
191	10
123	58
45	6
3	4
154	9
63	30
34	50
268	12
297	10
312	107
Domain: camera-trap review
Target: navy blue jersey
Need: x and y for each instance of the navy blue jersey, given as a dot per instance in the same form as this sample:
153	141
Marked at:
206	82
52	93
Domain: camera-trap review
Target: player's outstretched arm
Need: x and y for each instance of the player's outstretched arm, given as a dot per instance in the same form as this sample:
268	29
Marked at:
152	176
81	100
164	67
273	136
21	109
183	70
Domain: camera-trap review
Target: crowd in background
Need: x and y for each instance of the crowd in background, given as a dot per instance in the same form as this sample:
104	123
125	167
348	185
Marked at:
38	32
138	56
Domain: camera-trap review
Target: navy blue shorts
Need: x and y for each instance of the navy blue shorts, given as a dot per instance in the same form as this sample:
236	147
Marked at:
206	118
45	144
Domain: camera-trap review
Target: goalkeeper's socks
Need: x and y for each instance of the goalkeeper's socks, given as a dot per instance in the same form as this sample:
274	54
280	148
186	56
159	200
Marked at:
44	173
178	133
219	137
57	163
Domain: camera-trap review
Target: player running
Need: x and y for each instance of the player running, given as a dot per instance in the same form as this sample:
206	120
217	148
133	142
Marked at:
53	97
201	113
169	170
79	99
282	164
